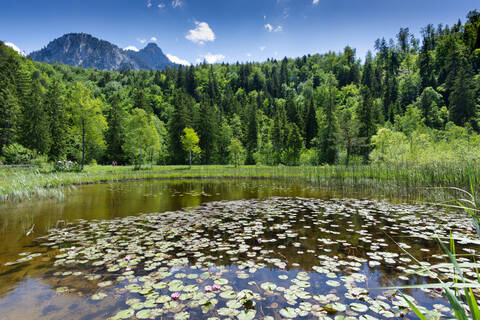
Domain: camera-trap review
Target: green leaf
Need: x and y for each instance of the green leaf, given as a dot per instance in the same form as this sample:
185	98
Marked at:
472	303
414	308
457	308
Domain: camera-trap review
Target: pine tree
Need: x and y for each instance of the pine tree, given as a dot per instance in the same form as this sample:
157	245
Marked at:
311	123
294	144
115	134
56	109
35	133
366	124
462	99
181	118
9	114
206	126
278	131
252	131
327	141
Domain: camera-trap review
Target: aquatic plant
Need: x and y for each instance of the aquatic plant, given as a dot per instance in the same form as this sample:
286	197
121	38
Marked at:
407	178
469	204
317	258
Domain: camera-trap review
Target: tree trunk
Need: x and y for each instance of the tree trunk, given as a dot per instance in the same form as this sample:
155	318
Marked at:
83	143
152	159
348	155
190	160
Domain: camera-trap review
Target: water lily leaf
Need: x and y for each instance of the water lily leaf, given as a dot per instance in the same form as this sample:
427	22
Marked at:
246	315
99	296
144	314
182	316
288	312
268	286
359	307
125	314
229	294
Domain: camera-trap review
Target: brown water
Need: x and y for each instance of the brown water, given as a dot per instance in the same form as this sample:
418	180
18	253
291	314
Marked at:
301	252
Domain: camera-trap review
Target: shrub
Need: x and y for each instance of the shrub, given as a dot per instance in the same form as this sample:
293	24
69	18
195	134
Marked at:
16	154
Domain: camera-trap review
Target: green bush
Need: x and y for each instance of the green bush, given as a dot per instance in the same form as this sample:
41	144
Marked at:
16	154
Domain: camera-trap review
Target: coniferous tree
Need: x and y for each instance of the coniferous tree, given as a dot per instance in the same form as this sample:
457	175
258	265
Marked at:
57	112
278	131
115	134
293	145
327	141
311	123
206	126
9	114
252	132
181	118
462	99
35	134
366	123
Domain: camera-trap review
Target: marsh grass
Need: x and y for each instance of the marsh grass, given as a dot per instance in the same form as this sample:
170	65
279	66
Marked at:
18	184
459	293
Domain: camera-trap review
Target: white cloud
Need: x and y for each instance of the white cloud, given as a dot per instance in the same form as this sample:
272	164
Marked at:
177	60
161	5
249	54
210	58
262	48
213	58
177	3
154	39
131	48
201	33
142	41
315	2
149	3
14	47
271	28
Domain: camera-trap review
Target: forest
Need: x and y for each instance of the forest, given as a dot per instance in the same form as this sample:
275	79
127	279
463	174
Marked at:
408	101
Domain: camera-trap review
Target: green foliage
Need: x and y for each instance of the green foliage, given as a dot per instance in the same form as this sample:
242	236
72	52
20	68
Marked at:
237	152
16	154
141	136
471	206
280	110
55	107
190	142
389	146
88	121
326	141
115	134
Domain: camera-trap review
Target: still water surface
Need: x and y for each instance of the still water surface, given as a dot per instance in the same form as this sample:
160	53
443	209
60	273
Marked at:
274	250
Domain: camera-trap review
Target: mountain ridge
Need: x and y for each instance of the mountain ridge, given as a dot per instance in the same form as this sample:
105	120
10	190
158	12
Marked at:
87	51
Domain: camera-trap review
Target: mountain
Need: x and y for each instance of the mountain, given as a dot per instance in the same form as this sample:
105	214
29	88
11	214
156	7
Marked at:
151	57
84	50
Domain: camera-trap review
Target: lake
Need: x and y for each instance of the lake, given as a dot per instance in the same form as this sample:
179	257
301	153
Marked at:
241	249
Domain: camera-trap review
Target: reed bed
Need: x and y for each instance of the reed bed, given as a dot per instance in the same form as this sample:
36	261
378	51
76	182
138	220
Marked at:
17	184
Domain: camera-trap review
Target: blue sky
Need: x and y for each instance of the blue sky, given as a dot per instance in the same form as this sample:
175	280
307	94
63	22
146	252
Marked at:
226	30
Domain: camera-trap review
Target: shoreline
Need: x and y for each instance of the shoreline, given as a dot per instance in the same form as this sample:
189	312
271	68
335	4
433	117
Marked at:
37	183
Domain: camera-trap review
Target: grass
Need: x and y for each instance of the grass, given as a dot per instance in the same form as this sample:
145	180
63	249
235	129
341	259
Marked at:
18	184
463	303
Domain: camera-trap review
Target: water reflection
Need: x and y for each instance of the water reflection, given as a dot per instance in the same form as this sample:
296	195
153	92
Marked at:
340	231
